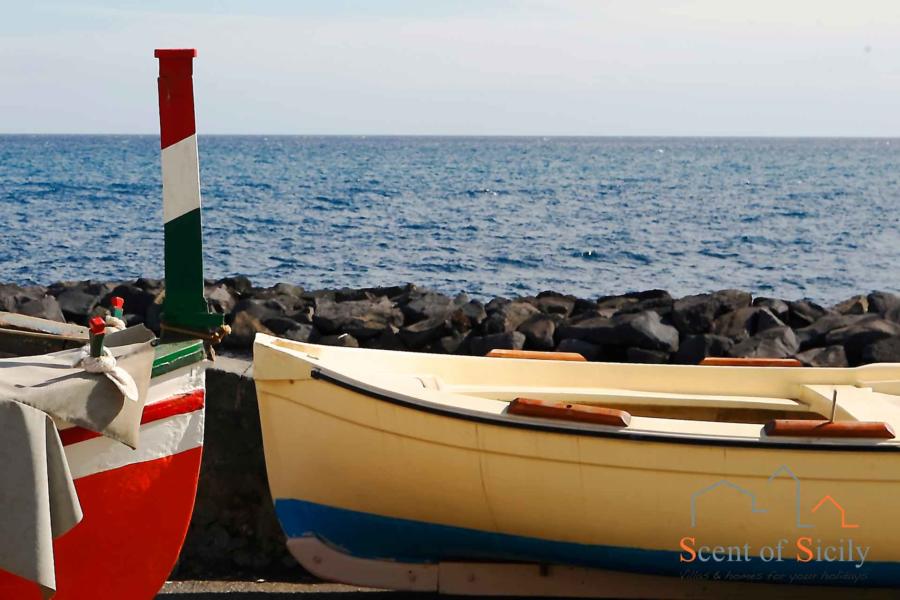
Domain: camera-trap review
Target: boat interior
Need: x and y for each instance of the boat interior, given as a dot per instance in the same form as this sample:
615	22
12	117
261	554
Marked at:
22	335
725	399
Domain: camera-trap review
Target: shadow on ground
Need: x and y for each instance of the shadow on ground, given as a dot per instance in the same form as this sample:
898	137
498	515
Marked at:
304	595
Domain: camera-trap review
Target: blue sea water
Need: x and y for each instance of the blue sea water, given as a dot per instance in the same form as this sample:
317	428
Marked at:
791	218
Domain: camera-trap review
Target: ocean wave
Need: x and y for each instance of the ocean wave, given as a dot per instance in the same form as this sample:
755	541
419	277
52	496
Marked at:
592	215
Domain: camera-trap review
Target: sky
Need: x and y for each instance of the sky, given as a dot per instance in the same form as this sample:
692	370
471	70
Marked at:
463	67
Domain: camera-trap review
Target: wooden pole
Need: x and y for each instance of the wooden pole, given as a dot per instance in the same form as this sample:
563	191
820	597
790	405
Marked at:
184	305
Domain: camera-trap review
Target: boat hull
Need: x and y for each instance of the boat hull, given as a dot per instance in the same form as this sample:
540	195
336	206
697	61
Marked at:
383	481
137	504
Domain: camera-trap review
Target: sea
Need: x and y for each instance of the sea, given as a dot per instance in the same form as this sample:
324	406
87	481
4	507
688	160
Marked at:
790	218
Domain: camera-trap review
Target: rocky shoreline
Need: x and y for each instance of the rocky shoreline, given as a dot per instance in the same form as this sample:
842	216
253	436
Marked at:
648	326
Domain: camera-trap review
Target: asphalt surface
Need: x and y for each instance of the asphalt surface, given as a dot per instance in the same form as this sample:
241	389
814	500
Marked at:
272	590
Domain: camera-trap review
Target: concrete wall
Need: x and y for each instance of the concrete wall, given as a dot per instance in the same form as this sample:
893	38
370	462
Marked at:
234	531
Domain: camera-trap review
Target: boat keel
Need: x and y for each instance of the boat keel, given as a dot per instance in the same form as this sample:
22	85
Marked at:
525	579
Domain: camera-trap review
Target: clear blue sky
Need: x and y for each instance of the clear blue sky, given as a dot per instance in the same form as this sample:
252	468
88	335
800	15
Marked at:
539	67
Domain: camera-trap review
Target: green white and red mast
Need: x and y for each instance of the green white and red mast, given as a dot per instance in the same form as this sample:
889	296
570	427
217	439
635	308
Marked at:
185	308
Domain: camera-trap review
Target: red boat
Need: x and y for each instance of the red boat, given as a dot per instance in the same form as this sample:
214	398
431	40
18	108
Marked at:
137	504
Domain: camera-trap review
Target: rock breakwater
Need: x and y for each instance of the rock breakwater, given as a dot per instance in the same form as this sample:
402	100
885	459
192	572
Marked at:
648	326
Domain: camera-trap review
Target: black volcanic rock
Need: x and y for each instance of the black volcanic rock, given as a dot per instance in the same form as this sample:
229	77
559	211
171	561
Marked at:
597	330
695	314
831	356
507	317
301	332
359	318
420	333
739	324
814	335
427	306
745	322
645	330
481	345
857	305
731	300
388	339
468	316
539	330
766	319
43	307
885	350
658	301
279	325
77	304
778	307
694	348
860	334
344	340
586	349
258	308
615	303
803	313
220	298
291	297
449	344
554	303
640	355
137	299
239	284
244	328
883	302
583	306
778	342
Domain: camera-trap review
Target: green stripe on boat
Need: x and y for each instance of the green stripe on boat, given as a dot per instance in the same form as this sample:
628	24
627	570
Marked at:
174	355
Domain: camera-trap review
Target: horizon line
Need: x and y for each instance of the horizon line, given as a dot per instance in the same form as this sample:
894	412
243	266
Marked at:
481	135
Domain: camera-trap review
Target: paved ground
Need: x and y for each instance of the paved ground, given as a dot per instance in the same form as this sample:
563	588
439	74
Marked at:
242	590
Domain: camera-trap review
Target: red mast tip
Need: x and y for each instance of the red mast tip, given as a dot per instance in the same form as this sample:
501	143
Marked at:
98	326
175	53
117	302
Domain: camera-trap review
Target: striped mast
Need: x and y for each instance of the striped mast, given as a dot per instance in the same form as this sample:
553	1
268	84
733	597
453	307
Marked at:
184	307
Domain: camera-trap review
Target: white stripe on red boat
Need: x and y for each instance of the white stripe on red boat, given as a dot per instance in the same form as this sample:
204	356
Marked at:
159	439
172	422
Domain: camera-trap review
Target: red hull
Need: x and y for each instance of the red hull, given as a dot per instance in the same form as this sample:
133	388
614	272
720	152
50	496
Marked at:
135	521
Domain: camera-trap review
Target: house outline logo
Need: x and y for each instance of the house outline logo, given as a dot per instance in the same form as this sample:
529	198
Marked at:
754	508
785	469
836	504
717	485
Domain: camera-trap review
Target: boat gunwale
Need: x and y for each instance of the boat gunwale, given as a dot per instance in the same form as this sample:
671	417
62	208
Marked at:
171	355
505	420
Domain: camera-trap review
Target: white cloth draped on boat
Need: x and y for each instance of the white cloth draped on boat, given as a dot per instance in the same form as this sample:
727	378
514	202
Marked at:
38	501
55	384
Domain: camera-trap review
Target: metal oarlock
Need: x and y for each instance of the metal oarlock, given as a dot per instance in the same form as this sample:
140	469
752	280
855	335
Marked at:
118	306
98	332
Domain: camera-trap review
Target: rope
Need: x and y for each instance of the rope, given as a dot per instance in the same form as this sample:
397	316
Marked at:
214	337
114	324
105	364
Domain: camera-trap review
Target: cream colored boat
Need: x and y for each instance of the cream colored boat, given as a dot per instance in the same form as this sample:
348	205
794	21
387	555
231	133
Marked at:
410	471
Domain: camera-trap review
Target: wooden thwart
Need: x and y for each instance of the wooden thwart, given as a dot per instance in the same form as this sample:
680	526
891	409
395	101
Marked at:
829	429
530	407
715	361
535	355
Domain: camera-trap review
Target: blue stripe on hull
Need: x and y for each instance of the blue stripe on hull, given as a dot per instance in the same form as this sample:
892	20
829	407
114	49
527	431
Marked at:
365	535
